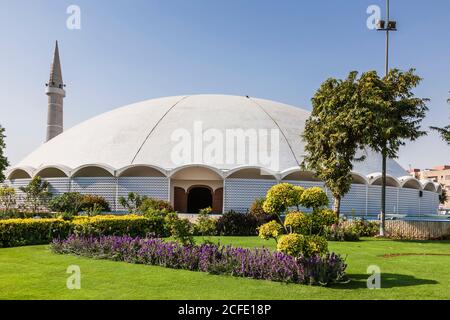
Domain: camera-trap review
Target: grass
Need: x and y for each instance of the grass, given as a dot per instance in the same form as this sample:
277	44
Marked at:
410	270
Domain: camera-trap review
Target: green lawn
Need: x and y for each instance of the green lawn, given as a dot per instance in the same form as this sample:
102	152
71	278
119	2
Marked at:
36	273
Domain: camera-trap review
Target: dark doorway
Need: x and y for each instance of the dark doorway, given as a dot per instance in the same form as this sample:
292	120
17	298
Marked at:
199	198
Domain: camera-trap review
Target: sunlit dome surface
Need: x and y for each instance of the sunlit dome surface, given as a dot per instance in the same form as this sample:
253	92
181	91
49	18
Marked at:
141	133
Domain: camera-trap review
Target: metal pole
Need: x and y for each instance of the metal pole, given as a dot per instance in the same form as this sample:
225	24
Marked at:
383	153
387	37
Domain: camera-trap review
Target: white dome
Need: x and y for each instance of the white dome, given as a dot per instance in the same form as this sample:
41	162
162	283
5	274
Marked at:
141	133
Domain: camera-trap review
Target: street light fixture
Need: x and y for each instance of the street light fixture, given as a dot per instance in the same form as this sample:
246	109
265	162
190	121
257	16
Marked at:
387	26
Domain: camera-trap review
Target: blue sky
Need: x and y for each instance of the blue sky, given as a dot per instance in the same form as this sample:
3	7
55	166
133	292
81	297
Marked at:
128	51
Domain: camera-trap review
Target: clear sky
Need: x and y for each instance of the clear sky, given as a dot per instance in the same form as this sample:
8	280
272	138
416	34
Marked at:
133	50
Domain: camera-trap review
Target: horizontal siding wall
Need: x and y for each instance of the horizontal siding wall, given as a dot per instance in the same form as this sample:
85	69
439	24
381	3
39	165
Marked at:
409	201
101	186
153	187
429	203
16	184
239	194
58	186
354	202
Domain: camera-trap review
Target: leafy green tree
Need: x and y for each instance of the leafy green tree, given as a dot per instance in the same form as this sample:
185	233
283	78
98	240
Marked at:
3	160
335	131
444	132
443	198
395	116
132	202
69	202
7	198
37	193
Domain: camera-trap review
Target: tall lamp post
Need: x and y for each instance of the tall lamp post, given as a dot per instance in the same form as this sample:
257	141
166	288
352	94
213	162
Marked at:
386	26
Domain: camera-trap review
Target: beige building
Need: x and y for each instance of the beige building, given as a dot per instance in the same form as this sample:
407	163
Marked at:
439	174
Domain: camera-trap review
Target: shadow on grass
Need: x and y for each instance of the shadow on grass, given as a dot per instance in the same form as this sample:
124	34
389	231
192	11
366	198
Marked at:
388	280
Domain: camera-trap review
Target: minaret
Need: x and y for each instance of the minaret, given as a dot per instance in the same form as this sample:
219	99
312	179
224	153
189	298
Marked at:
56	93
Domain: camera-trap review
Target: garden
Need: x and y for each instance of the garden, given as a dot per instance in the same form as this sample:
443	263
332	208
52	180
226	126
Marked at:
276	246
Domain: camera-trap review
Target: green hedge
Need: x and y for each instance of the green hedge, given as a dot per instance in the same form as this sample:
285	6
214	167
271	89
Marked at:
21	232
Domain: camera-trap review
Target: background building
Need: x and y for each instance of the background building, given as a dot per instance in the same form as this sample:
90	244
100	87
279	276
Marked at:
136	148
439	174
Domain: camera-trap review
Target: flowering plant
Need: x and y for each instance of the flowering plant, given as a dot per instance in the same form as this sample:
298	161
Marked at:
257	263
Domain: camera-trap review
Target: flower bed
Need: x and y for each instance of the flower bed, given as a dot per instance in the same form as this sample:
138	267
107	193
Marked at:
227	260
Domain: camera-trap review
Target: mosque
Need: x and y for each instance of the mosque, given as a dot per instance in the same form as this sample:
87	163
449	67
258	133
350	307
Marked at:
197	151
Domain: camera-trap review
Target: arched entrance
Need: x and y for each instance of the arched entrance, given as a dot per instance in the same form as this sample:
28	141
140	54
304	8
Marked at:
198	198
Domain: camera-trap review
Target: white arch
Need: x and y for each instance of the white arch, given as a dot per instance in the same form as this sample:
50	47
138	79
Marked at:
428	185
438	187
124	169
105	167
62	168
410	181
26	169
196	165
360	176
375	177
245	167
290	171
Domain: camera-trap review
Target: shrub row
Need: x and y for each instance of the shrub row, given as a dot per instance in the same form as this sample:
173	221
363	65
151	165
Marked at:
19	232
239	262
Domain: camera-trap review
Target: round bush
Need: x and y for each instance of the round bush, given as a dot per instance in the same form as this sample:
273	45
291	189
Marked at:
270	230
282	196
237	224
314	198
297	222
291	244
151	204
91	202
314	246
69	202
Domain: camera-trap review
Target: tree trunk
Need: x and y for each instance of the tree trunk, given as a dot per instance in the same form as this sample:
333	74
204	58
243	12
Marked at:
383	196
337	205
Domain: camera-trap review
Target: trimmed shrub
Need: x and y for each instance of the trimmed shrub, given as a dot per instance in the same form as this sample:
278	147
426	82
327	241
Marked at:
69	202
18	232
291	244
314	198
321	219
341	233
270	230
130	225
205	225
256	209
298	222
238	262
281	197
182	230
237	224
151	204
314	246
365	228
94	203
299	245
23	232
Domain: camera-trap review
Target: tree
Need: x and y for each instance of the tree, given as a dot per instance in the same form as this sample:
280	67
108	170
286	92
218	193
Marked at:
444	132
36	193
443	198
335	131
132	202
7	198
3	160
395	116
